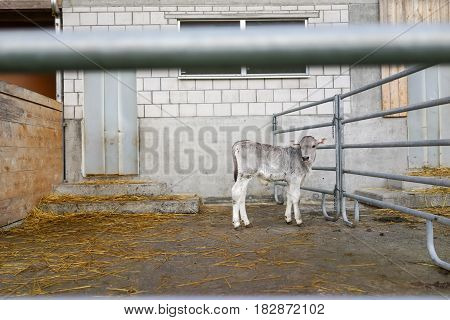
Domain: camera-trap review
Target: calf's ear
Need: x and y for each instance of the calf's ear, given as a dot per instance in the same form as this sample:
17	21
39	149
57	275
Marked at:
322	141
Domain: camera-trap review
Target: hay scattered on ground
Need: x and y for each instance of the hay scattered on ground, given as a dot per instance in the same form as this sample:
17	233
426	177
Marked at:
113	181
59	198
80	252
394	216
433	190
431	172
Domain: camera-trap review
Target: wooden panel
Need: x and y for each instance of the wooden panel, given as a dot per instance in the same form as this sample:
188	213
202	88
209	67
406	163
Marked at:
30	150
26	4
42	83
395	94
27	95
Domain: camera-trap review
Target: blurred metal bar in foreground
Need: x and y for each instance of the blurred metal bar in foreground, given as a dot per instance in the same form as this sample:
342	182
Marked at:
44	50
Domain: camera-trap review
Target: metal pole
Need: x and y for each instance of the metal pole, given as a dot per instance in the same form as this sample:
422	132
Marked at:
313	126
399	144
45	51
309	105
60	86
399	177
417	106
275	189
393	77
432	250
387	205
337	137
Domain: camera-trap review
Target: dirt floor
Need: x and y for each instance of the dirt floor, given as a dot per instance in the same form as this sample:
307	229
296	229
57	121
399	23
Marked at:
107	254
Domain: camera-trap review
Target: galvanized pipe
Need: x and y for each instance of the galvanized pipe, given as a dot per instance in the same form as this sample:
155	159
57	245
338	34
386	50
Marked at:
393	77
327	146
432	250
398	144
313	126
337	122
421	180
386	205
417	106
306	106
318	190
324	168
46	51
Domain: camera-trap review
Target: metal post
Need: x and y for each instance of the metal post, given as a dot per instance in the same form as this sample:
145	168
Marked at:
274	128
60	85
338	195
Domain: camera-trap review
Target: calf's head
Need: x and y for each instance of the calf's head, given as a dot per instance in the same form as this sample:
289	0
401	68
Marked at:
308	146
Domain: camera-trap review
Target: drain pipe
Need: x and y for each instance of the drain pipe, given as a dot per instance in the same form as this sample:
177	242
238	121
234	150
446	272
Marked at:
60	85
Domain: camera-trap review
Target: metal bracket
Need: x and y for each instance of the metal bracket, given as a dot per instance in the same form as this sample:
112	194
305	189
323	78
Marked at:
345	217
324	211
278	200
431	250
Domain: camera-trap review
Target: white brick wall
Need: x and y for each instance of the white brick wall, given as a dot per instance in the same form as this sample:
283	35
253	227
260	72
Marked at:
162	94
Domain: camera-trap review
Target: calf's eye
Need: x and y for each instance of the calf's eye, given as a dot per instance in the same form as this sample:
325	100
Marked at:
313	146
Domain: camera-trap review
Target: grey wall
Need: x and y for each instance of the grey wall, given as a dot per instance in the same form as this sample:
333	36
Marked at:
192	152
431	123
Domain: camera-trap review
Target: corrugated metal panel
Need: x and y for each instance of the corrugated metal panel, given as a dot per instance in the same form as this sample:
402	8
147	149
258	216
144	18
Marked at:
128	134
417	119
93	134
444	114
432	92
110	123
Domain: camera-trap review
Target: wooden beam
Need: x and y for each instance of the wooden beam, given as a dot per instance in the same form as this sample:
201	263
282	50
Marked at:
25	4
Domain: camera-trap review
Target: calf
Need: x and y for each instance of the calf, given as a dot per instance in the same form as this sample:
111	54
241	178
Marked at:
271	163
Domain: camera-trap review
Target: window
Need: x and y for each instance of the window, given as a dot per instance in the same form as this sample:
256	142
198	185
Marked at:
244	71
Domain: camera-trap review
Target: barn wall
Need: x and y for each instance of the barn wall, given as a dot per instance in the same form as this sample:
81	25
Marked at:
187	127
30	150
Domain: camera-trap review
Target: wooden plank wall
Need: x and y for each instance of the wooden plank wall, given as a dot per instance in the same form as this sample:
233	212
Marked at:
395	93
30	150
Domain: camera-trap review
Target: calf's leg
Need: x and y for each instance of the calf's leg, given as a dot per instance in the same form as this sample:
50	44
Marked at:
293	193
288	213
242	210
238	193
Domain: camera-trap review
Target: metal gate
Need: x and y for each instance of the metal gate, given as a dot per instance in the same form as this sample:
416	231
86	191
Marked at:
339	193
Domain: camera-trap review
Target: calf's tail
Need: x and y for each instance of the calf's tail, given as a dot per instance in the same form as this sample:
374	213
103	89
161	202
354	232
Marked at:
235	168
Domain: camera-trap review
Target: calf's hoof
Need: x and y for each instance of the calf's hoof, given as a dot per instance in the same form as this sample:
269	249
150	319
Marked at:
250	225
288	221
299	223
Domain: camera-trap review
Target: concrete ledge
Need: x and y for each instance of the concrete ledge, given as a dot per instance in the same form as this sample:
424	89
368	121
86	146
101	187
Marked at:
140	189
405	198
185	206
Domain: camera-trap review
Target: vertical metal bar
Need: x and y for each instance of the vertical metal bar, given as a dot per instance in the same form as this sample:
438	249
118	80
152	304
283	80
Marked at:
60	88
432	250
339	142
275	189
338	147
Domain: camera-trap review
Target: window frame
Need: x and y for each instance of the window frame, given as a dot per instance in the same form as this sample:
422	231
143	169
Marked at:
243	74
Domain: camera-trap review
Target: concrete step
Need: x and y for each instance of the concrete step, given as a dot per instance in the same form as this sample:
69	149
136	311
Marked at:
58	203
411	199
95	188
410	186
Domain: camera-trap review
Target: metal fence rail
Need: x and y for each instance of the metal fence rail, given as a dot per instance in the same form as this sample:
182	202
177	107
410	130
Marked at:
47	51
339	192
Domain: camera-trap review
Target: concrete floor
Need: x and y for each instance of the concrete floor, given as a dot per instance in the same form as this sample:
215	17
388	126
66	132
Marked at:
203	255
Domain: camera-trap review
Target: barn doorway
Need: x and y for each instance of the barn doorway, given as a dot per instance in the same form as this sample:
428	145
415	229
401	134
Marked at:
110	125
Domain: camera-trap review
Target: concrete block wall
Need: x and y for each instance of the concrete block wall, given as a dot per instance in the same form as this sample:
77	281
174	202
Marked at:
187	126
162	93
